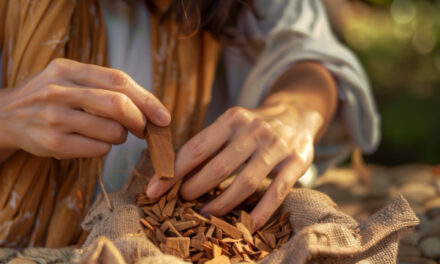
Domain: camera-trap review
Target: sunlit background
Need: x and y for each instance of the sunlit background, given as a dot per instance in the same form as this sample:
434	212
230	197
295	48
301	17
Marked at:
398	42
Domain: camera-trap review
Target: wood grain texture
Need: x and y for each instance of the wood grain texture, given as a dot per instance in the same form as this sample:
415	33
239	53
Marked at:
161	149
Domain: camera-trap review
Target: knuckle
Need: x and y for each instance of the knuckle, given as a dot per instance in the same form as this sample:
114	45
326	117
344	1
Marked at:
249	183
303	152
237	116
267	157
219	167
118	133
50	92
119	80
262	129
57	67
281	145
52	116
119	103
287	132
196	146
280	192
53	143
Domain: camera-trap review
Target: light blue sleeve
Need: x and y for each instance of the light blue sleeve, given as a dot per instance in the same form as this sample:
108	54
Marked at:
295	30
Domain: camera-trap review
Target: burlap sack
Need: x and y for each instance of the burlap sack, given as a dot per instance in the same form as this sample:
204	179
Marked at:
321	233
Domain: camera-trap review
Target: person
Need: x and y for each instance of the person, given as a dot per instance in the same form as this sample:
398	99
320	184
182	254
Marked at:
262	87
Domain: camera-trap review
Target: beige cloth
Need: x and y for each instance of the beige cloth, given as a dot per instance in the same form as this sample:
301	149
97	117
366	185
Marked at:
322	233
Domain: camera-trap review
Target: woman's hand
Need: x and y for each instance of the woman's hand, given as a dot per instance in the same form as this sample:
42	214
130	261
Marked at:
271	136
277	137
71	109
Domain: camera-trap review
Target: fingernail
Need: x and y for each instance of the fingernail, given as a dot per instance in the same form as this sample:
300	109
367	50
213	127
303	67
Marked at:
163	116
205	213
153	189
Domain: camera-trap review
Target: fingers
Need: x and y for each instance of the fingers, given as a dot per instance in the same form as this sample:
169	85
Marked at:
102	103
113	80
219	168
94	127
66	146
247	181
192	154
67	133
113	105
80	146
289	173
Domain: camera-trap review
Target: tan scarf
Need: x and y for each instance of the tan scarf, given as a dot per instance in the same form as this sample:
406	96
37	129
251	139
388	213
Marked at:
42	200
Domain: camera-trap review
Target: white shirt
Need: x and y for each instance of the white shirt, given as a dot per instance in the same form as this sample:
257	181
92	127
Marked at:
128	42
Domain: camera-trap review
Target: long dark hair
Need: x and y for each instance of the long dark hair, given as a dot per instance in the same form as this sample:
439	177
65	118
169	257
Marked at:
220	17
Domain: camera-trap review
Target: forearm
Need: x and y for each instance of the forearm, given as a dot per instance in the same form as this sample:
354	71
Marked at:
307	86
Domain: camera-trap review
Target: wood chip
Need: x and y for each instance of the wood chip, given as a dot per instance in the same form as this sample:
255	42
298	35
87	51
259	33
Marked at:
156	210
219	260
146	224
195	216
161	150
189	233
216	251
177	229
172	229
152	221
168	250
197	256
148	211
247	221
227	228
180	244
162	202
210	231
151	236
282	233
238	247
218	233
198	240
169	208
144	200
186	224
201	229
262	254
173	193
160	236
246	233
261	245
270	238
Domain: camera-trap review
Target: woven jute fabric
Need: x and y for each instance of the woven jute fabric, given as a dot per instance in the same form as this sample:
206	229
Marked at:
321	232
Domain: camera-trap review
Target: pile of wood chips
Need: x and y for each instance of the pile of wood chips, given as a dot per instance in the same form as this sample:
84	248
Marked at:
176	228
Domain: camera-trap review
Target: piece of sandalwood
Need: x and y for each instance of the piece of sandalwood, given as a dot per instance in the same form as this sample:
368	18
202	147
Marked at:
161	150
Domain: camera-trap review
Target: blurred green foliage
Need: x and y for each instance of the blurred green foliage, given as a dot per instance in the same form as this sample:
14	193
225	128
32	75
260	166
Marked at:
380	2
398	42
